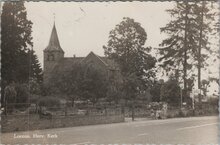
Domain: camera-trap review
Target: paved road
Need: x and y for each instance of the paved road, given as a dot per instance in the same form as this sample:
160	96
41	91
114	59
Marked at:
195	130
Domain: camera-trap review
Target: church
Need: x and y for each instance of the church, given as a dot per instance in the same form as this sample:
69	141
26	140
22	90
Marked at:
54	60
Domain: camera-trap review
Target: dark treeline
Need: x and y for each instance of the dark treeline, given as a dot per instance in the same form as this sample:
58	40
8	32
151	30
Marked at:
182	56
19	62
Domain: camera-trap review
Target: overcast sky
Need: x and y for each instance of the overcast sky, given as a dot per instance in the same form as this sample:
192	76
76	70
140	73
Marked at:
84	26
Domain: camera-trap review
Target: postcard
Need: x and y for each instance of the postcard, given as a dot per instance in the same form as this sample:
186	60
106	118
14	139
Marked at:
109	72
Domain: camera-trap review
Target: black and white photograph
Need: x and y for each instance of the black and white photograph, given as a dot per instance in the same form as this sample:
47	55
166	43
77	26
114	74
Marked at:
110	73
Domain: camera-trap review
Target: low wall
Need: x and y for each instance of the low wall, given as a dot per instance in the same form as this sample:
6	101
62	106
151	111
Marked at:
33	122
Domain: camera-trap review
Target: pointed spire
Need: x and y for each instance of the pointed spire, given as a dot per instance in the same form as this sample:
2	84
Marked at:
54	44
54	18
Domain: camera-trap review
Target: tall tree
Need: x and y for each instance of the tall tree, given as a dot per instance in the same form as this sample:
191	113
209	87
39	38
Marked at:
19	62
35	71
188	44
206	22
170	92
155	90
126	46
92	84
114	90
177	52
16	40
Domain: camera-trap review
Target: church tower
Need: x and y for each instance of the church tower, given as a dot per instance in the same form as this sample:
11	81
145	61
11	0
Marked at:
53	53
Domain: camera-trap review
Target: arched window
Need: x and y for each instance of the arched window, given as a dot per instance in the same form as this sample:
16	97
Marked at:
50	57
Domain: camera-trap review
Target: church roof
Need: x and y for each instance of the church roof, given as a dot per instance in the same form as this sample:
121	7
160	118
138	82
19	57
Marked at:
68	63
54	44
106	61
111	63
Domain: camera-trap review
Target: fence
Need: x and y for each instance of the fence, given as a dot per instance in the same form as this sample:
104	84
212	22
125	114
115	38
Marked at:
35	117
156	110
26	108
149	110
12	123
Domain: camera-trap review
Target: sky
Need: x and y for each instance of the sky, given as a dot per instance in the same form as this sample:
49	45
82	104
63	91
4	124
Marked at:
84	26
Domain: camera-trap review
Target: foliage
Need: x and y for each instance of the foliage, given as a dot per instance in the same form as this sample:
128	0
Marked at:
10	94
204	86
204	18
213	101
114	87
157	105
170	92
48	101
34	98
114	92
206	25
82	82
126	47
22	95
181	33
16	40
65	82
184	33
35	87
16	96
131	86
93	84
214	79
18	63
155	90
35	68
188	43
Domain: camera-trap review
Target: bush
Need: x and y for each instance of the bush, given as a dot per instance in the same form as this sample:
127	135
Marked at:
182	113
34	98
22	93
49	102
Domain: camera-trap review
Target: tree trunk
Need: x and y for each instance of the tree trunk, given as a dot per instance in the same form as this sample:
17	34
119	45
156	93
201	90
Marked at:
73	102
65	110
132	110
185	54
6	108
199	53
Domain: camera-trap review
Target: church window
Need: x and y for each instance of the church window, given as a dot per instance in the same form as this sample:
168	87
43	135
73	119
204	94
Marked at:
50	57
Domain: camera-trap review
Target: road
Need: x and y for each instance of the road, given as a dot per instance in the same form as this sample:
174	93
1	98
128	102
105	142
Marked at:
194	130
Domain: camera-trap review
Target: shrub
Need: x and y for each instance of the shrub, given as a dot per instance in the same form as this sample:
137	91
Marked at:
49	102
22	96
34	98
181	113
